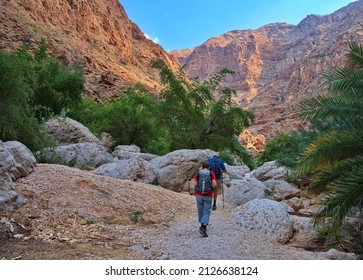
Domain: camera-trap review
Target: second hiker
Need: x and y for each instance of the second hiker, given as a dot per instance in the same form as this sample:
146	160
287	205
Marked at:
218	167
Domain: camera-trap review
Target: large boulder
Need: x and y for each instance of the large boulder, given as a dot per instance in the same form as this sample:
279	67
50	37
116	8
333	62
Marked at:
175	169
242	191
8	193
305	235
133	169
126	148
237	172
66	131
265	216
16	161
76	155
124	152
282	189
270	170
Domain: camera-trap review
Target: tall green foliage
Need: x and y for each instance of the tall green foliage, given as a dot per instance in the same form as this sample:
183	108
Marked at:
56	87
32	86
131	118
336	156
186	115
17	118
193	116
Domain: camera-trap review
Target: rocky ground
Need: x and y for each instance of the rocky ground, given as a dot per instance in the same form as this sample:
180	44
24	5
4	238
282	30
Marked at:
73	214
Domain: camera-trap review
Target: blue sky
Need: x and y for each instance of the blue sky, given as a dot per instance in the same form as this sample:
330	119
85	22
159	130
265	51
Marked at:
181	24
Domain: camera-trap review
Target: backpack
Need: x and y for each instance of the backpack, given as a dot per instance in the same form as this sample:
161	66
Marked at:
215	167
204	181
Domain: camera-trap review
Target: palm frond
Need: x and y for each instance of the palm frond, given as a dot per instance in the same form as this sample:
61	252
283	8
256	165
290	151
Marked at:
345	79
349	105
336	155
329	148
356	54
348	192
348	78
323	179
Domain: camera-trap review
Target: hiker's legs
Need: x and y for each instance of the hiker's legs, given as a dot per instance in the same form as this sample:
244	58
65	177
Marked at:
216	192
215	198
199	199
204	204
207	204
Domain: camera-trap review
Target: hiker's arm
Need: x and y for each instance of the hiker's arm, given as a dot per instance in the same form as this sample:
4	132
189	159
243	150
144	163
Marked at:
223	167
214	180
195	179
214	183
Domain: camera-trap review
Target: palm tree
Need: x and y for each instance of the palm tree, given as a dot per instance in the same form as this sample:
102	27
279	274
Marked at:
336	156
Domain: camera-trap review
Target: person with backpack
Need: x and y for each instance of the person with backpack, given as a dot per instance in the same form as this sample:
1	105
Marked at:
218	167
204	183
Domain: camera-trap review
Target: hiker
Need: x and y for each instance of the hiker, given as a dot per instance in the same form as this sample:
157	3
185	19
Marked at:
204	182
217	166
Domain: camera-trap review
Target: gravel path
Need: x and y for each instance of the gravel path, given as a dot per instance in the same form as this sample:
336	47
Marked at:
226	241
61	199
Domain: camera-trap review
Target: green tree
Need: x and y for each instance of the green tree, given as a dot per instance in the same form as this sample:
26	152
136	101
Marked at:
17	118
92	114
192	114
56	87
336	156
132	119
34	86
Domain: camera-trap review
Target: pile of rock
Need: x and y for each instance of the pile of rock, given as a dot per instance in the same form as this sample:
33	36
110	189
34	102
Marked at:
264	200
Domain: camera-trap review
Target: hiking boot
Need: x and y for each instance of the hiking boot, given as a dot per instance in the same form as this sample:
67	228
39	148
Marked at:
203	232
214	207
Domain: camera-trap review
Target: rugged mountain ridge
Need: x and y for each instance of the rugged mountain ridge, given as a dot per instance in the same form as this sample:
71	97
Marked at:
278	64
94	34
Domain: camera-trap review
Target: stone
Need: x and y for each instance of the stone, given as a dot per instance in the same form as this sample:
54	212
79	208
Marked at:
267	217
66	131
76	155
242	191
175	169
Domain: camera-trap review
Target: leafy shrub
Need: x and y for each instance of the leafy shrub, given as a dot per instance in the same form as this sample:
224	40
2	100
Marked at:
33	86
17	118
286	148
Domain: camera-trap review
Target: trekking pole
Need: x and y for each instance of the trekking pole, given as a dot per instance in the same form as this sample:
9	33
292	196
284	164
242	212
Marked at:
222	193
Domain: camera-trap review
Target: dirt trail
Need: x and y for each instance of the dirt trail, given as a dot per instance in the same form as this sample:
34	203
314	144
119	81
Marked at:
226	241
73	214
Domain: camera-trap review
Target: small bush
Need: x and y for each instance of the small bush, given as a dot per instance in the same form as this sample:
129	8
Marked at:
136	216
